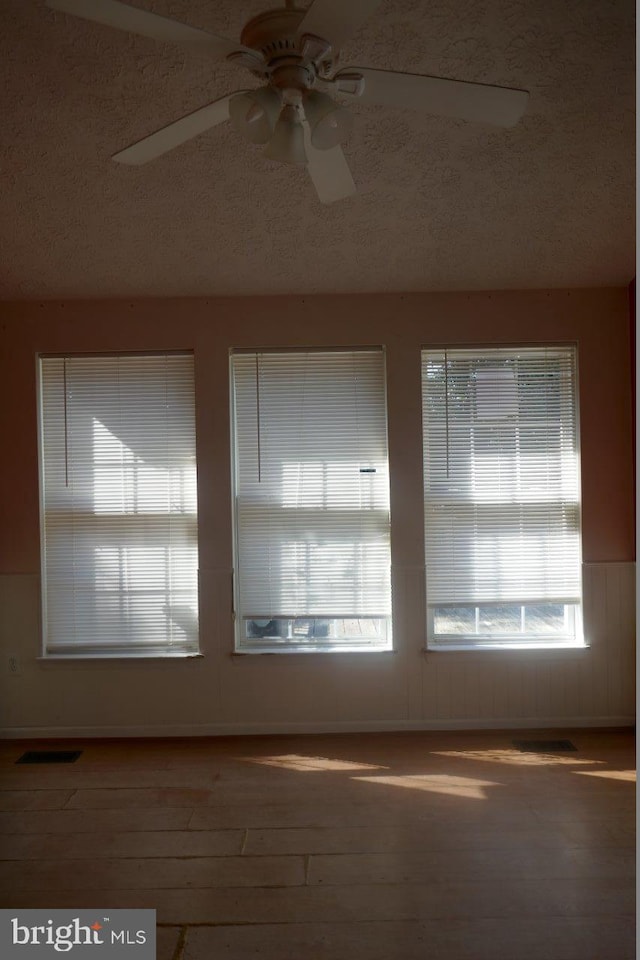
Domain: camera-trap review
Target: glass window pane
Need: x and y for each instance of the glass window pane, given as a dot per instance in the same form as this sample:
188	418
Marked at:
545	618
454	620
499	618
316	631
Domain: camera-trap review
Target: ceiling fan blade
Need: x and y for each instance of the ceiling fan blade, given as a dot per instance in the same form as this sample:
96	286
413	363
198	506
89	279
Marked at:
176	133
330	174
336	20
479	102
112	13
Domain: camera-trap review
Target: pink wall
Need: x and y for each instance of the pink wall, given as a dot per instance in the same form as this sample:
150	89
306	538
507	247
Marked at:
598	320
221	693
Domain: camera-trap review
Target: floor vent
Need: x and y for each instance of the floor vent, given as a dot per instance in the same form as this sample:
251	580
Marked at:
49	756
544	746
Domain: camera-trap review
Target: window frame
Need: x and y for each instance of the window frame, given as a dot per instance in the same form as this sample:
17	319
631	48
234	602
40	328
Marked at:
479	642
83	653
242	646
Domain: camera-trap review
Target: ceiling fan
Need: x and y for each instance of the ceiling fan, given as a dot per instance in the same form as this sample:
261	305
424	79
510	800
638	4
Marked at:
295	54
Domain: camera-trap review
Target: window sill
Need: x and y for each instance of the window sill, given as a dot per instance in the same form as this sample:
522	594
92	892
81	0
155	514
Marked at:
307	651
102	657
507	647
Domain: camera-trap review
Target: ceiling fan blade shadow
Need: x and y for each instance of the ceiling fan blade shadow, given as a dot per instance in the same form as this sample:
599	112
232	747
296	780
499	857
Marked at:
480	102
177	132
113	13
330	174
336	20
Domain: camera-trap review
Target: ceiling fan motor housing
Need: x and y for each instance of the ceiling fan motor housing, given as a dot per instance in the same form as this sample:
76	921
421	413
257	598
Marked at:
274	34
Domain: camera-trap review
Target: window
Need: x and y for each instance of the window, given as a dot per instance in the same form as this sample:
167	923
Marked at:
118	496
311	490
502	515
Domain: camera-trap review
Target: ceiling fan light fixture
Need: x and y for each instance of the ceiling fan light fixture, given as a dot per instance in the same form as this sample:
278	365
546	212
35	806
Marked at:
287	142
329	123
254	113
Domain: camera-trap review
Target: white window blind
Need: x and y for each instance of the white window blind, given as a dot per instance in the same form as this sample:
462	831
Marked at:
119	505
311	500
502	515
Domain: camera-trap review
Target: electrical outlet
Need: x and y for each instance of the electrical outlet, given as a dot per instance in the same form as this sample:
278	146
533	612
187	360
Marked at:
14	666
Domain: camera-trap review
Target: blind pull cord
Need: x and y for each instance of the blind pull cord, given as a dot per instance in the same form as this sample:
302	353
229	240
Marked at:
258	417
66	430
446	409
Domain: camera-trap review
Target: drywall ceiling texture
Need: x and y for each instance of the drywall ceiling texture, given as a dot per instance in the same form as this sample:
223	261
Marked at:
441	204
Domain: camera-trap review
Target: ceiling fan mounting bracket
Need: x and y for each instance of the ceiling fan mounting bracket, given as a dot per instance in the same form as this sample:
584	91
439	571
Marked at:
244	58
350	83
315	49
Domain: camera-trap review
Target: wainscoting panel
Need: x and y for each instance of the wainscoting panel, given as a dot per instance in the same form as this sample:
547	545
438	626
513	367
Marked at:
409	689
587	685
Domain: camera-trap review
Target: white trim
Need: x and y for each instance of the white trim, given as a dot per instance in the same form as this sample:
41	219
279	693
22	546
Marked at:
346	726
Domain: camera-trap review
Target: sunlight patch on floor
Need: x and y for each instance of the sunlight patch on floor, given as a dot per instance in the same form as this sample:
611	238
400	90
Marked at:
628	775
437	783
515	757
294	761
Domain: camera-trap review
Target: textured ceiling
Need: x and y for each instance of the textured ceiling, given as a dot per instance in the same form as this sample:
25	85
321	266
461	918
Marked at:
441	204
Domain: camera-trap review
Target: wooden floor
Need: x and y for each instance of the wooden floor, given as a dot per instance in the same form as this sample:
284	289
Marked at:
408	846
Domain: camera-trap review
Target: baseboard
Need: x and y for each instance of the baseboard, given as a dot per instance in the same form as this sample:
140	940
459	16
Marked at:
347	726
